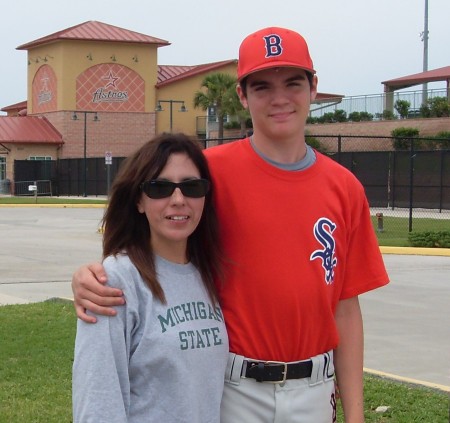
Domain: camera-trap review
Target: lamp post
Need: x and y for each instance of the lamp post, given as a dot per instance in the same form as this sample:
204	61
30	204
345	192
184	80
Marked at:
96	119
425	53
171	102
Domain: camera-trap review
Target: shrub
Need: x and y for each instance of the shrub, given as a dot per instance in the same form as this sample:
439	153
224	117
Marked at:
403	137
388	115
436	107
312	120
326	118
430	239
340	115
443	139
333	117
314	143
354	117
425	111
366	116
232	125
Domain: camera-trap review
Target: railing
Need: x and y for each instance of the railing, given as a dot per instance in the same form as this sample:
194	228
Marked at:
30	188
375	104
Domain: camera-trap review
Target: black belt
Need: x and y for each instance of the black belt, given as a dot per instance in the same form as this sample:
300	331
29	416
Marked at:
277	372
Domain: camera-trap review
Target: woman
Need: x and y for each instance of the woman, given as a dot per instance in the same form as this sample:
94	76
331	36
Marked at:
163	357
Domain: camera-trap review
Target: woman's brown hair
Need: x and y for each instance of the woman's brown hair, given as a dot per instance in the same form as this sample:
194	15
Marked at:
126	231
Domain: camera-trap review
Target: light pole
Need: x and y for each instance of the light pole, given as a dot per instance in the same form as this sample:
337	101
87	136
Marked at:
425	37
171	102
96	119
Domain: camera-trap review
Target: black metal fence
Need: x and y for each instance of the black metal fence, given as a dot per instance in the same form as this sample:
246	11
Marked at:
416	176
69	177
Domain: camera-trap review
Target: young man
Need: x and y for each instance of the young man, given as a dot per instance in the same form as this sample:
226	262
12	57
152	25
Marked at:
297	233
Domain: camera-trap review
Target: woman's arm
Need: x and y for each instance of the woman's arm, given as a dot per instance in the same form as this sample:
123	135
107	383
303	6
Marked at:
100	382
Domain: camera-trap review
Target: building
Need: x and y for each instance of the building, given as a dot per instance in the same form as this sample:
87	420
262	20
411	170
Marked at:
96	90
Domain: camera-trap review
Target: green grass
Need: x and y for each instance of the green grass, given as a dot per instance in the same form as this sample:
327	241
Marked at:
396	229
407	403
36	355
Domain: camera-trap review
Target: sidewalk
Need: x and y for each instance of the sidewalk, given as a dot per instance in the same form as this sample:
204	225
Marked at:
406	322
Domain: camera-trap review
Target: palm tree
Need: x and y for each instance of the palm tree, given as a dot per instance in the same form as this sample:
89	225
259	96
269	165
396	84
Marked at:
232	104
215	92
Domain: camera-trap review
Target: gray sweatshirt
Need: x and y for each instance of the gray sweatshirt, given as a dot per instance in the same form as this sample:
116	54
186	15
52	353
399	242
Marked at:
152	362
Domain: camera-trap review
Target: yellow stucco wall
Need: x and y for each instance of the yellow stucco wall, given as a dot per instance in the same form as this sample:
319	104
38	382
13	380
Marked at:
183	90
68	59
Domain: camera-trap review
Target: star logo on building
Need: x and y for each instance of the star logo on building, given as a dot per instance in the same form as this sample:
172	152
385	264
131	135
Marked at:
44	82
111	80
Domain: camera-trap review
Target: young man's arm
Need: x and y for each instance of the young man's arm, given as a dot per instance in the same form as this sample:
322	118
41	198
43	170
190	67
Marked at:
348	359
90	293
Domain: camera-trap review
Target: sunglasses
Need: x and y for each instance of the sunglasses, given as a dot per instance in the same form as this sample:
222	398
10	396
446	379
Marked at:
194	188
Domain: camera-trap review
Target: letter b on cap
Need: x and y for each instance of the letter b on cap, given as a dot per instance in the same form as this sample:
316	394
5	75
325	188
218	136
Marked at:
273	45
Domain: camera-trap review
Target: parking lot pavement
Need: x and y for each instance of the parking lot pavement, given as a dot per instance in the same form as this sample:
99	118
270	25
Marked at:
40	248
406	322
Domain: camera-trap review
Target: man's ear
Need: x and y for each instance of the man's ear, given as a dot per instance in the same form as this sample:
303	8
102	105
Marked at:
313	90
242	97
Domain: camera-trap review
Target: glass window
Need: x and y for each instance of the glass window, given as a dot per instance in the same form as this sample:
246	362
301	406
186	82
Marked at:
2	168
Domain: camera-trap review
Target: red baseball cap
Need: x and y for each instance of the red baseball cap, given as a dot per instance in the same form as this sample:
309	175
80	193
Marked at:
271	48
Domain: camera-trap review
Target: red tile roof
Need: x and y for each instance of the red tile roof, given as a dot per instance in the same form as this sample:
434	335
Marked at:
96	31
17	106
168	74
440	74
28	129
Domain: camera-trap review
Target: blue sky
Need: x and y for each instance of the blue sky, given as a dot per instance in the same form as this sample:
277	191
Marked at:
355	44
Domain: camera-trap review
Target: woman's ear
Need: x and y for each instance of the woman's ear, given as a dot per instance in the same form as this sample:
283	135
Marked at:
140	205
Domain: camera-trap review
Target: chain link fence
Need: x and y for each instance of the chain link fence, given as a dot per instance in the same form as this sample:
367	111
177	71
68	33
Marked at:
407	180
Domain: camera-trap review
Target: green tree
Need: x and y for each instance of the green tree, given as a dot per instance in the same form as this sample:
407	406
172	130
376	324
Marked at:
216	91
402	107
439	107
233	107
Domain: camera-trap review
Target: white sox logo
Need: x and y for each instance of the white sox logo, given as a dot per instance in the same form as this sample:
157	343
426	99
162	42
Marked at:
323	231
273	45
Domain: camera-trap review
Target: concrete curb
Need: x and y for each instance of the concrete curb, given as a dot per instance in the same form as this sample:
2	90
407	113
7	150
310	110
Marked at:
416	251
407	380
63	206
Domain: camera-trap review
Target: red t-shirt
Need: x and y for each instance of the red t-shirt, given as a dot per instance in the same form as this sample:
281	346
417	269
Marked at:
297	242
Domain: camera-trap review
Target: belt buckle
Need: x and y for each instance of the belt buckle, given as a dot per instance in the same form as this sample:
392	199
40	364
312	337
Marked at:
284	373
